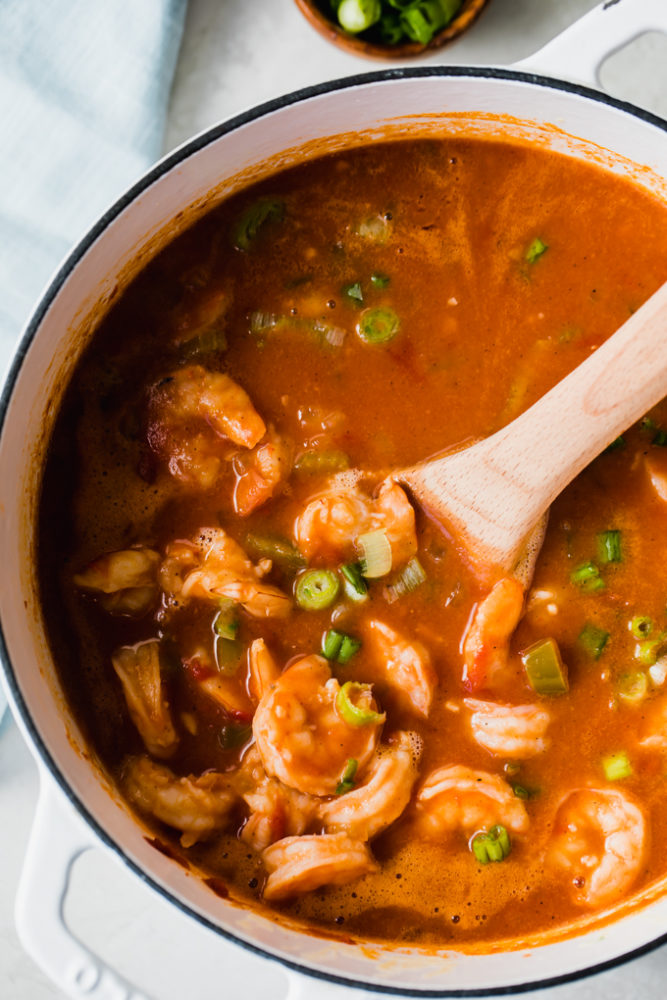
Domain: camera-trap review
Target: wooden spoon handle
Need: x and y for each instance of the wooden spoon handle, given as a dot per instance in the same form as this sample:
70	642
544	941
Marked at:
497	490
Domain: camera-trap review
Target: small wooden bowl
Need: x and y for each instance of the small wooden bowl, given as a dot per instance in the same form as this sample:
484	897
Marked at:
312	10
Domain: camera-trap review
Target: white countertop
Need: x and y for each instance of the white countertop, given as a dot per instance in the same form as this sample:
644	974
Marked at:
236	54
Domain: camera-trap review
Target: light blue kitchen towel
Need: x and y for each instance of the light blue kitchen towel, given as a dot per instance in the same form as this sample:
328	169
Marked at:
84	87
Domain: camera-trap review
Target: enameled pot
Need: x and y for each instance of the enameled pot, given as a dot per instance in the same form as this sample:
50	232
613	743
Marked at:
77	807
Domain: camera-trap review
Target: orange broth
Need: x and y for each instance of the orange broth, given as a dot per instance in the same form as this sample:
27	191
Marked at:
483	333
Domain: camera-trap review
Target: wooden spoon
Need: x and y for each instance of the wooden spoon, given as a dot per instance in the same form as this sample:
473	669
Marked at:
492	496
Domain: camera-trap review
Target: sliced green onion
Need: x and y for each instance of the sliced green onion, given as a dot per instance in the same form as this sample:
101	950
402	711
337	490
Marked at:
492	846
633	688
522	792
587	578
316	589
315	462
618	442
647	425
593	640
234	735
423	18
354	585
391	29
535	250
346	783
331	644
660	438
545	670
609	546
354	292
348	648
411	576
358	15
641	626
380	280
648	650
339	646
277	549
352	713
617	766
376	555
254	218
378	326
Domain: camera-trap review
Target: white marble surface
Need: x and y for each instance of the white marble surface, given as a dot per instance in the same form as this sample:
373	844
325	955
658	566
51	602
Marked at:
236	54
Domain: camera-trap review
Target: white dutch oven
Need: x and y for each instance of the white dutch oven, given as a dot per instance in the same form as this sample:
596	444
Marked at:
77	809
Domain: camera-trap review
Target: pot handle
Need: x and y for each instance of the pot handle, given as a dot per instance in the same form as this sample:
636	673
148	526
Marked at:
58	837
579	51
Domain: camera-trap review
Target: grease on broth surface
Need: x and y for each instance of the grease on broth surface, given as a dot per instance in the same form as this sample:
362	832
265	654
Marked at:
362	312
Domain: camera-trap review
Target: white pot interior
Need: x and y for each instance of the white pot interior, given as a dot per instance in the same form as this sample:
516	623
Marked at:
483	104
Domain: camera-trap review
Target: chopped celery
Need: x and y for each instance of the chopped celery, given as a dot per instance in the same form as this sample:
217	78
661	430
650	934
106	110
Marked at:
593	640
228	655
617	766
545	670
226	623
411	576
277	549
314	462
632	688
609	546
234	735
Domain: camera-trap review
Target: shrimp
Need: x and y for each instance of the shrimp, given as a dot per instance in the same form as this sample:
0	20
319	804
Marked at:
260	472
139	670
372	806
515	731
264	670
456	797
406	666
331	523
302	738
301	864
196	806
486	644
599	838
191	414
654	728
215	566
126	580
276	811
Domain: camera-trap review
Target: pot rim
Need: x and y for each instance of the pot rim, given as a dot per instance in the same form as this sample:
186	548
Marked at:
68	265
